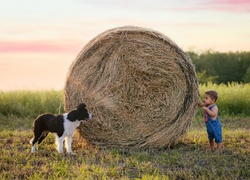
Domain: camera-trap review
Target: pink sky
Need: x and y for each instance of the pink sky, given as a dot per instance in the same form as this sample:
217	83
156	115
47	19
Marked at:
16	47
40	39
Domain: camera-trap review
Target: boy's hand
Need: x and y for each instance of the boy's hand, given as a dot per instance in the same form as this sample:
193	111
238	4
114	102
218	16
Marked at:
204	108
199	103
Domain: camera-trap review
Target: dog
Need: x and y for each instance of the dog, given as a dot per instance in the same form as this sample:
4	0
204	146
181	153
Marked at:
63	127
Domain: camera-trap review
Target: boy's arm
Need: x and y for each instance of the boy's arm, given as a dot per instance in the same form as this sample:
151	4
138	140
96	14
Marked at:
201	104
213	113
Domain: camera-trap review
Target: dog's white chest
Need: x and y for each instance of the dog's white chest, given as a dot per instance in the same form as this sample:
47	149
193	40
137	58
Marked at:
69	126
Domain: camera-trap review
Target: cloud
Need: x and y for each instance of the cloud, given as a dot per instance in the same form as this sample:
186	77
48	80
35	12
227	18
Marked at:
228	5
214	5
11	46
230	2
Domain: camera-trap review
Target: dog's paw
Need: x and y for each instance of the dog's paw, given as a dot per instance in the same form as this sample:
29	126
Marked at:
33	149
72	153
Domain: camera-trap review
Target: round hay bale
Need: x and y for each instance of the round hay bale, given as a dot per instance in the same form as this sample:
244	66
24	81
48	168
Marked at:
140	86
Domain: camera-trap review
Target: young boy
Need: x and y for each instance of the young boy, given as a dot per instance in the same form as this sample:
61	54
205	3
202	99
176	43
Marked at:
211	118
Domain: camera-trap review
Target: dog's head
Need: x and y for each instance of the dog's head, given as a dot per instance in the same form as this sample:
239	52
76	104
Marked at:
80	113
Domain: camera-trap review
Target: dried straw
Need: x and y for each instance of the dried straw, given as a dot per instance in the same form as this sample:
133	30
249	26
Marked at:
140	86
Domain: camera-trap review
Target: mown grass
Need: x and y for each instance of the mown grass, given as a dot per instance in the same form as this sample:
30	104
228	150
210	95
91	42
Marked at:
188	159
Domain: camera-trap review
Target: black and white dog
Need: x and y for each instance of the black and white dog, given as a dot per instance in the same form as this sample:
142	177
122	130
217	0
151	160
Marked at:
63	126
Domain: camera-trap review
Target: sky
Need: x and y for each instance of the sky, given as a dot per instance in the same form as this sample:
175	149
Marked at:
39	39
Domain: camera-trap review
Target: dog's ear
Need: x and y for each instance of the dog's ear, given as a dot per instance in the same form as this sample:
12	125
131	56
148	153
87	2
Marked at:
81	105
80	108
72	115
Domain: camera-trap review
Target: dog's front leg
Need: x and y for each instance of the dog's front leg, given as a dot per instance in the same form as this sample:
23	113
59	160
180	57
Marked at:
59	144
68	143
33	146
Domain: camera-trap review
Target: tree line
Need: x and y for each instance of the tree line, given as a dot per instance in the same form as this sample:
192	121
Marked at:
218	67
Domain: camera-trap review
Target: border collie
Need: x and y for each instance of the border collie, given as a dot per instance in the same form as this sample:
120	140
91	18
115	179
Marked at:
63	126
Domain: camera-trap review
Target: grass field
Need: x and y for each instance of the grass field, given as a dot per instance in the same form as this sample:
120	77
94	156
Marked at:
188	159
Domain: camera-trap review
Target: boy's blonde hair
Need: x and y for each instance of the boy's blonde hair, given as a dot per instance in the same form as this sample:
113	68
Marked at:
213	94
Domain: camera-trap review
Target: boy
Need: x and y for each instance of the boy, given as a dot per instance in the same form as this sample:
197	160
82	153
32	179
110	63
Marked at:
211	118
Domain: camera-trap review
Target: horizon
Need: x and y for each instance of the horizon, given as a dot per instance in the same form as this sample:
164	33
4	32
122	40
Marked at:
39	40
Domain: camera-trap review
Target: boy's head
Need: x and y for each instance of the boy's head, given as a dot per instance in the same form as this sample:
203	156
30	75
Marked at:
212	94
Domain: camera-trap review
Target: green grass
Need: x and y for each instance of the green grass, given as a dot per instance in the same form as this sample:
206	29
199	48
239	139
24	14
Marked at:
188	159
30	103
234	98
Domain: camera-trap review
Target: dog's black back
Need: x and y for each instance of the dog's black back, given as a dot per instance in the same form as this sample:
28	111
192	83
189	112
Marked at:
50	123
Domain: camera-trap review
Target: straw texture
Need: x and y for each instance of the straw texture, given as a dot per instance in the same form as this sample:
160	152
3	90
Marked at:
140	86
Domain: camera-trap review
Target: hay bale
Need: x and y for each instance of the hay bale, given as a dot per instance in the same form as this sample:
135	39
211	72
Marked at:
140	86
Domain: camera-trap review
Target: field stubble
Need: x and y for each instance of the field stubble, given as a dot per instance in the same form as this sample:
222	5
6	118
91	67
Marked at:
188	159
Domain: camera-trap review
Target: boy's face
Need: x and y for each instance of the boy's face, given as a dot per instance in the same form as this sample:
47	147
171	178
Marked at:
208	100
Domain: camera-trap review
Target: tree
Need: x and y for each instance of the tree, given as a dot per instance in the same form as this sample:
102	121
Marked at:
246	77
221	67
204	78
